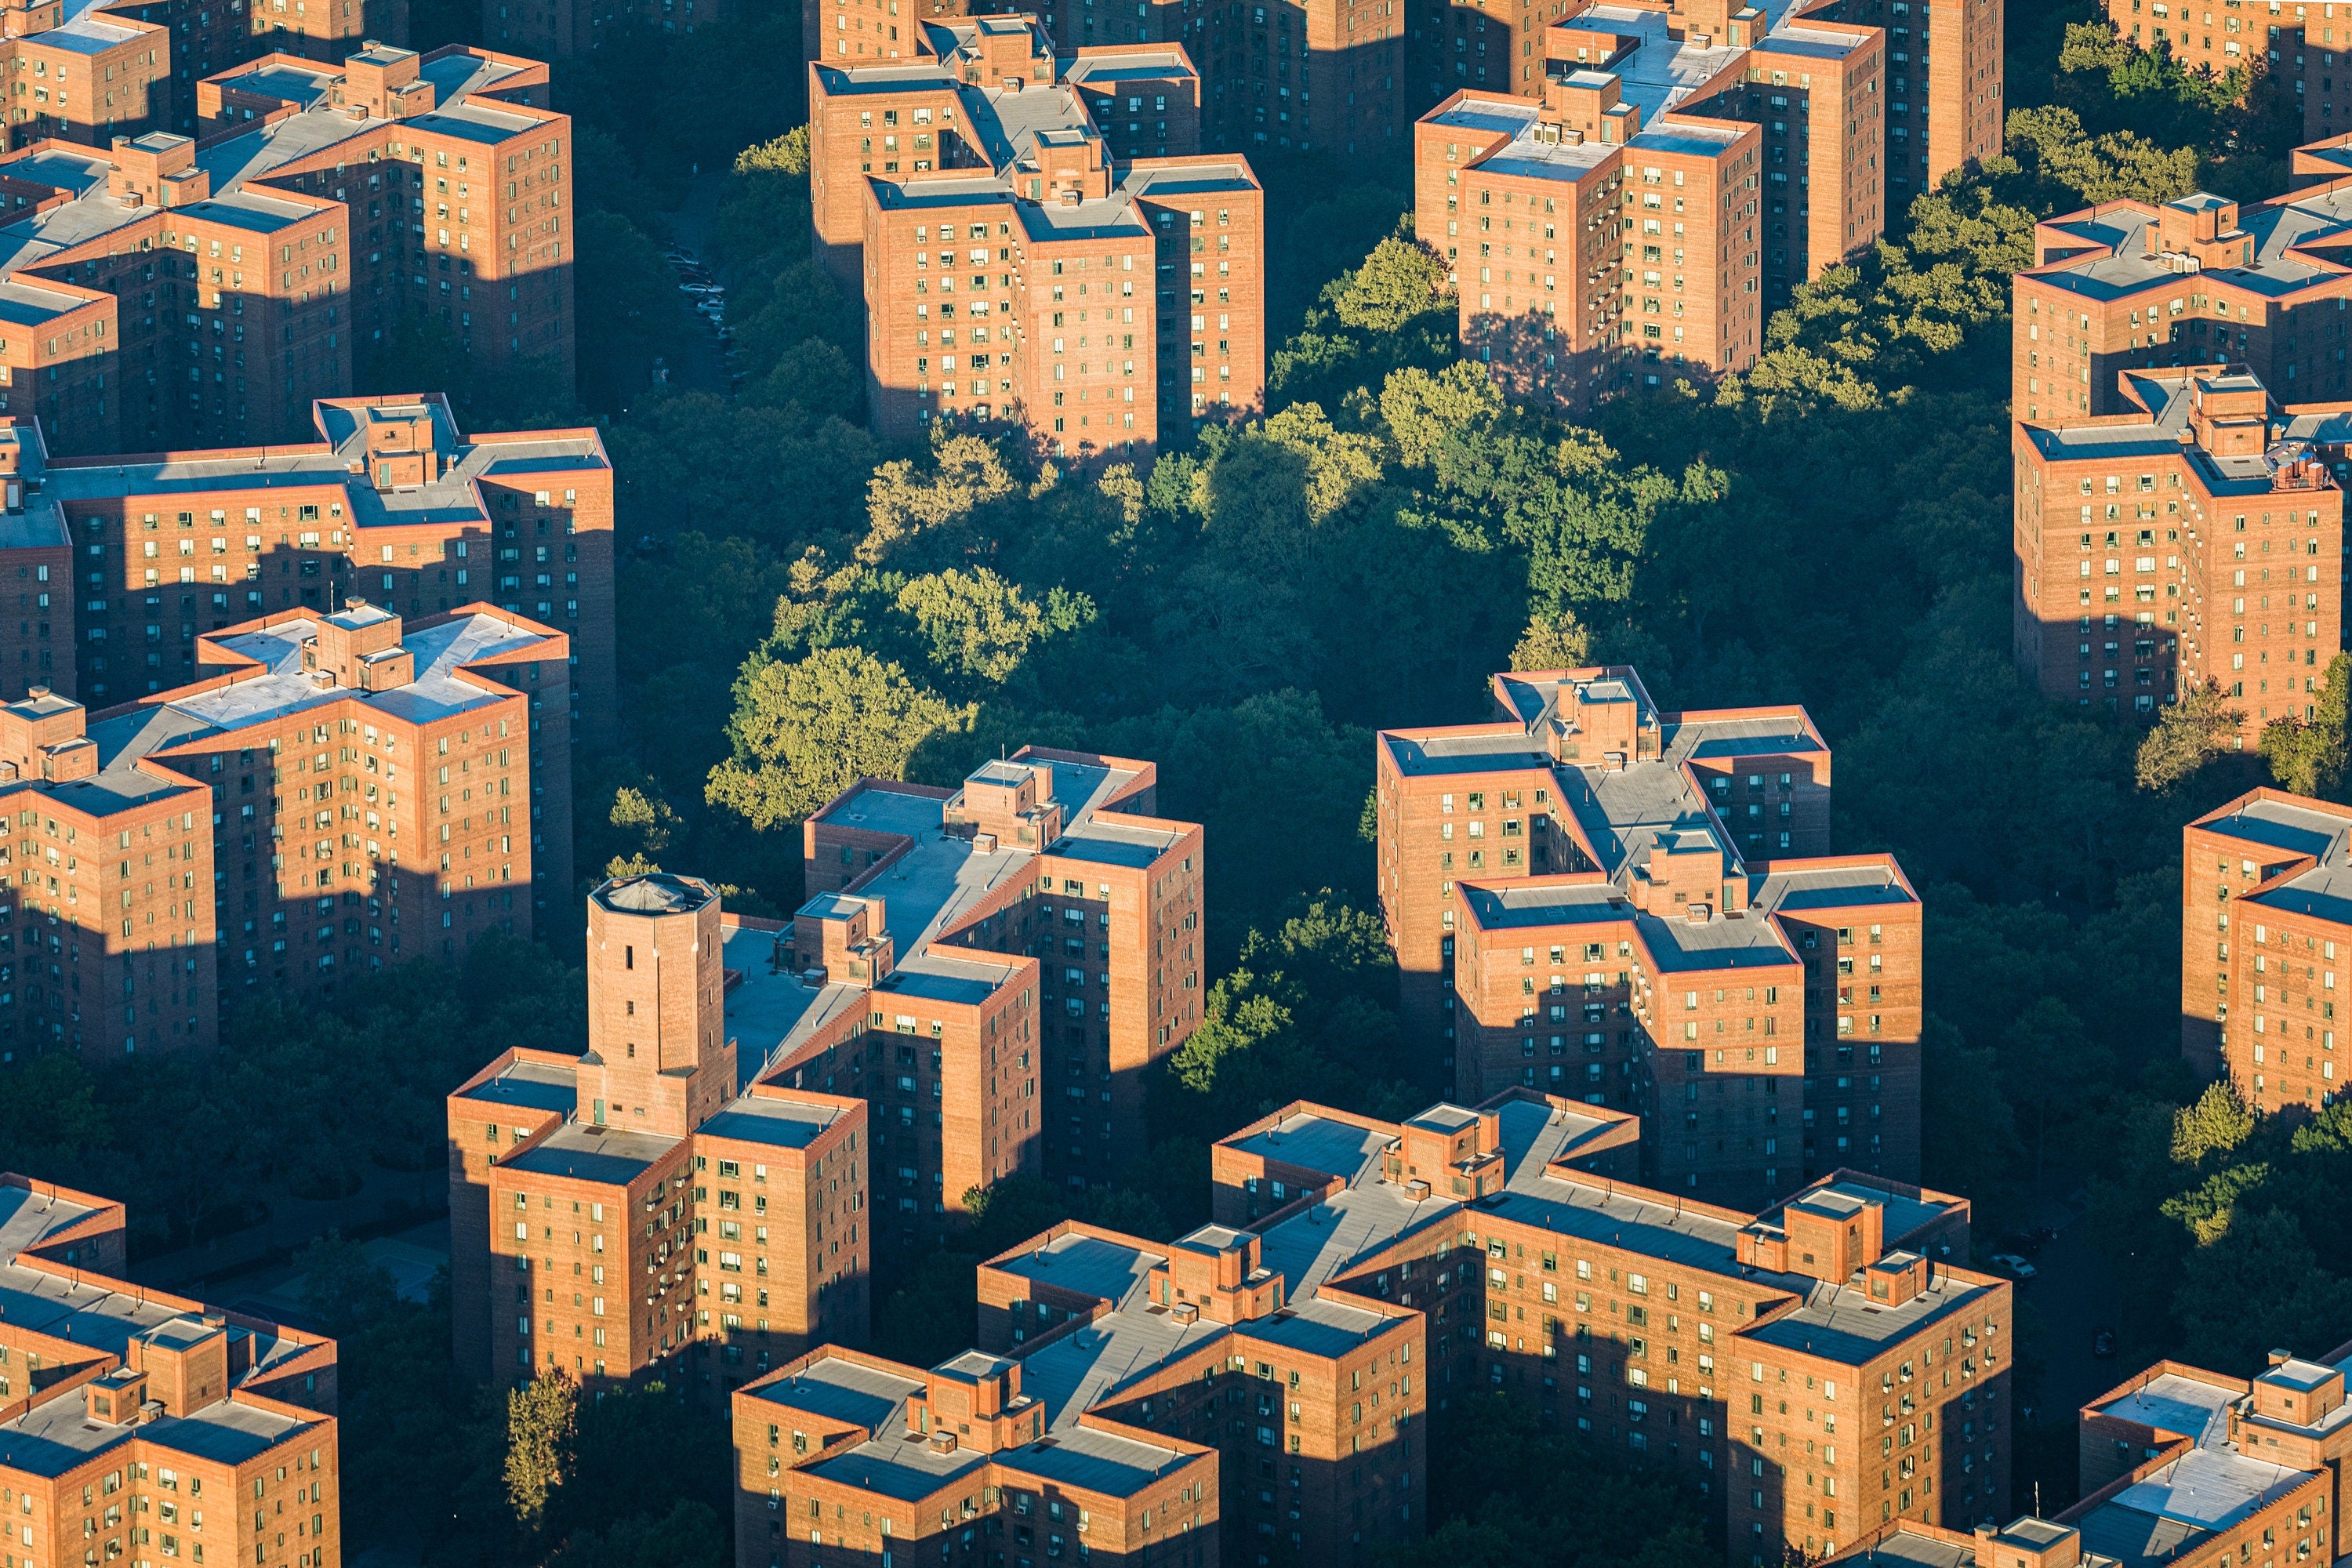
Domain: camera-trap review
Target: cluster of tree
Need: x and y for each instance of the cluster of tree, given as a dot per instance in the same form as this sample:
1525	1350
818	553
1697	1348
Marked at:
2227	1229
301	1102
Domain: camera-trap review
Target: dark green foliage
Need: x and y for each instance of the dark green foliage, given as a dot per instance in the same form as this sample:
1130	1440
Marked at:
302	1102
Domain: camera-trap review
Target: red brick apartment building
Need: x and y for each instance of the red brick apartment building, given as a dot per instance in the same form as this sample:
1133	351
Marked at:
993	969
624	1213
338	793
99	75
1943	105
2262	876
1326	74
2178	1463
128	1415
1360	1274
1634	908
2202	280
849	1457
389	501
2215	512
1711	110
164	291
1114	300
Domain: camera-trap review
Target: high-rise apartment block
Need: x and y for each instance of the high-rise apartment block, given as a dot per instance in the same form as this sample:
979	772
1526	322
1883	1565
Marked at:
2178	1462
628	1212
2263	931
1676	170
1037	239
166	293
142	1426
1358	1277
122	562
86	78
1329	74
2193	538
337	793
847	1457
993	968
1638	909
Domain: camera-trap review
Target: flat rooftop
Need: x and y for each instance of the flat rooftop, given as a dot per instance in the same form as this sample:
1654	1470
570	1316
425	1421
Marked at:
28	1216
584	1152
2197	1410
773	1119
535	1086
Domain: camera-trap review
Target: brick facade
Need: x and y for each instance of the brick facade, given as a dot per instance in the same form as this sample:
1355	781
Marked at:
176	302
2261	937
127	1414
628	1213
846	1456
2162	1447
348	789
1110	278
1593	900
391	501
1037	933
1358	1277
2194	538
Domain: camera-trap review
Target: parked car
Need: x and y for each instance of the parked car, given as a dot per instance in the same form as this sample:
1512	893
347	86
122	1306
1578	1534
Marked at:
2103	1343
2010	1264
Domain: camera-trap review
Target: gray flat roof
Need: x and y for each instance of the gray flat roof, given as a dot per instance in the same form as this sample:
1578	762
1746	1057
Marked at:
1840	1322
539	1086
586	1152
772	1120
1097	1461
2170	1403
1316	1143
843	1390
25	1217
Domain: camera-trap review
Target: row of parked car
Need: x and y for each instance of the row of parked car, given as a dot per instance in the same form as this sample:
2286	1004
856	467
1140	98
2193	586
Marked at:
708	297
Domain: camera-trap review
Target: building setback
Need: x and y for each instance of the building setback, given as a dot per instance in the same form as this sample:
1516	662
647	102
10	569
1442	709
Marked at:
390	501
1114	299
1593	899
2233	1467
640	1210
132	1414
994	968
2191	539
1325	74
2263	923
348	789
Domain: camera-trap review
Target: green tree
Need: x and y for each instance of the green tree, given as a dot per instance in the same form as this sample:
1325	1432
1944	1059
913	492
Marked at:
1397	281
2306	756
688	1536
2189	733
542	1423
2217	1124
982	626
805	731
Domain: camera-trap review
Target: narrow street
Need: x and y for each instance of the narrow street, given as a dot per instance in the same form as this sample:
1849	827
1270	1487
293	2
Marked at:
701	363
